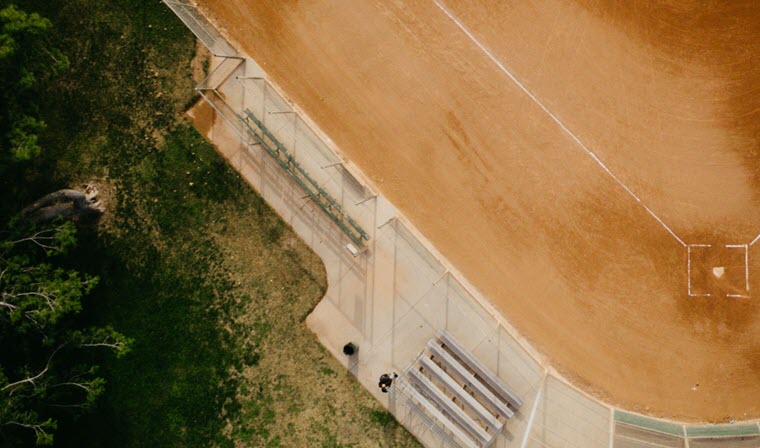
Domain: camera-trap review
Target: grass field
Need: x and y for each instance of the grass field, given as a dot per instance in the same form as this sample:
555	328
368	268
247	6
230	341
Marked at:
209	282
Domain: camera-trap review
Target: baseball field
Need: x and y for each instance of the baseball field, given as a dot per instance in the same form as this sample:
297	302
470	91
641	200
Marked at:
590	166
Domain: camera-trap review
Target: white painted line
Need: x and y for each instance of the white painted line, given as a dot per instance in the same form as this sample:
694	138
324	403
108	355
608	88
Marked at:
736	245
746	267
553	117
688	267
612	427
700	245
755	240
738	296
533	412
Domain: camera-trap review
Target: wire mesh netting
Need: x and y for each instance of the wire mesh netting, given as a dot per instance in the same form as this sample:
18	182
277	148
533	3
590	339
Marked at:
722	430
281	131
220	74
411	413
633	430
565	418
627	436
726	442
201	27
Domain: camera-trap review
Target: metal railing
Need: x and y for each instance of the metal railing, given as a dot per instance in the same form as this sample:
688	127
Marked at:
326	202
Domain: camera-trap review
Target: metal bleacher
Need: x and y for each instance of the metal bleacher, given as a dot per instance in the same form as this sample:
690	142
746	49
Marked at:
458	394
467	379
480	370
452	409
461	394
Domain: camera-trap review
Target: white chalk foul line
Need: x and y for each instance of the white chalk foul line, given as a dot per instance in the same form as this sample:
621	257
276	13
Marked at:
533	412
553	117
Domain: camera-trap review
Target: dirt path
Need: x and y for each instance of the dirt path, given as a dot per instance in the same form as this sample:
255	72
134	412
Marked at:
585	271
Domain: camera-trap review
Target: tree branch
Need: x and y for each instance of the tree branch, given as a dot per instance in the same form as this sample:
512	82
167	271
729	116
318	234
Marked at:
38	237
114	346
49	298
37	428
80	385
31	380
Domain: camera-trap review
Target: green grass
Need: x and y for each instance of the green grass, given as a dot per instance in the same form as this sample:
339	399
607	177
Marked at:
163	284
209	282
382	417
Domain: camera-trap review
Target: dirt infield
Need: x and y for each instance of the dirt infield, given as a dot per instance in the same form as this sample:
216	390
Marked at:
565	156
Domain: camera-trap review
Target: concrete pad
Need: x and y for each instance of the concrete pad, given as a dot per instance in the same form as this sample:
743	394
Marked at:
567	418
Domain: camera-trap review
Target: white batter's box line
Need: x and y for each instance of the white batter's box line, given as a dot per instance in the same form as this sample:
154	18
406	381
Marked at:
746	267
731	246
688	269
562	126
755	240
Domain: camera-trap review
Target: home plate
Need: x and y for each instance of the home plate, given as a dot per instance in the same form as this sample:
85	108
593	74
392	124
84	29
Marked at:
720	271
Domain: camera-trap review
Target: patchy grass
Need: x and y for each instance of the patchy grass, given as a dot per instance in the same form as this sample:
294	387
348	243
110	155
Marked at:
194	266
297	394
382	418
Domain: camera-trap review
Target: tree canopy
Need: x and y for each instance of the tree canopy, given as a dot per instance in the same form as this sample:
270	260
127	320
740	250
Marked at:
49	355
27	60
46	370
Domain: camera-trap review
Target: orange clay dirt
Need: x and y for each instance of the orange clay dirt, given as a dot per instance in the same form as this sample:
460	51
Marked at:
666	94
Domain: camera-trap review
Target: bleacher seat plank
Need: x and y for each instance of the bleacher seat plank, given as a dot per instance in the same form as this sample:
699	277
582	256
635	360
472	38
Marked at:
433	411
482	371
457	415
468	378
462	395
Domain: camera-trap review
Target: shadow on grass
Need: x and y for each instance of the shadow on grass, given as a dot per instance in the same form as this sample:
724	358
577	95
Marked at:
162	284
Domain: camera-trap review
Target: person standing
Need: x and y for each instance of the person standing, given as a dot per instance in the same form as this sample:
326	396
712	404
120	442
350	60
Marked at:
386	381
